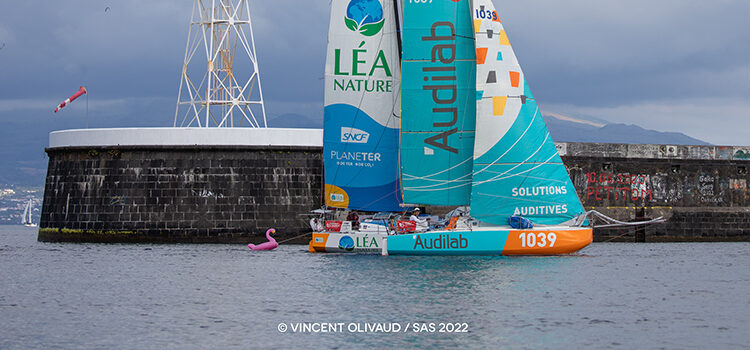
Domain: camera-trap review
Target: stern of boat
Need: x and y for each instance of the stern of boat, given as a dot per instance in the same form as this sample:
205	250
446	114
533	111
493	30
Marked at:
318	242
540	241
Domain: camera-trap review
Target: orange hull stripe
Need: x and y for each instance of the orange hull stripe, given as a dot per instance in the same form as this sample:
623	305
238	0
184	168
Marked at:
565	241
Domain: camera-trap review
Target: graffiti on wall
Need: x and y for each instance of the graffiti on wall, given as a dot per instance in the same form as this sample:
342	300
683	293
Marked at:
118	200
741	186
707	189
668	150
738	184
618	186
742	154
562	149
706	185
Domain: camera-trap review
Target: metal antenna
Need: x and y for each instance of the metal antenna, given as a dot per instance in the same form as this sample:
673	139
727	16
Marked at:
229	93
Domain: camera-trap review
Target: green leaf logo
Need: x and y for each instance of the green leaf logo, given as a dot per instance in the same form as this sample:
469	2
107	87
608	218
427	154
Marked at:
351	24
365	17
371	29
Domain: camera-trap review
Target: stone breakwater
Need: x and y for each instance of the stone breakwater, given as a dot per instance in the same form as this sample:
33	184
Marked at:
201	194
701	190
232	194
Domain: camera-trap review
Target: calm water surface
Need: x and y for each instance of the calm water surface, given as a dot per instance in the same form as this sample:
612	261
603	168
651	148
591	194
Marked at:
619	295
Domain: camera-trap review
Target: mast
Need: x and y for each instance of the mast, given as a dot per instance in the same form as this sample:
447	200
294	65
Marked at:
398	29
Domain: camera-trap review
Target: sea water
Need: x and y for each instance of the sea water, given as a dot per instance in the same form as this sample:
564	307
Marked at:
143	296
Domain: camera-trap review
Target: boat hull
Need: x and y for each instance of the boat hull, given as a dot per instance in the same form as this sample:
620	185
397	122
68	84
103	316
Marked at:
354	242
491	241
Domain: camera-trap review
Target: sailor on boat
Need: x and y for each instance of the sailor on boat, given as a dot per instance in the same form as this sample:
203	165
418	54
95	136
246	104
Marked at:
354	218
422	224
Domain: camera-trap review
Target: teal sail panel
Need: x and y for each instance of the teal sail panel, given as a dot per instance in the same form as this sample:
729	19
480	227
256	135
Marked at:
517	168
362	107
438	102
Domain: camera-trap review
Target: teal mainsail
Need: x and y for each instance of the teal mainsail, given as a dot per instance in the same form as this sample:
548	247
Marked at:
516	169
438	102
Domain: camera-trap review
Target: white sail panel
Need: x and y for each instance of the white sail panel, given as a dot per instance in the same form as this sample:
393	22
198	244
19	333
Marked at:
362	107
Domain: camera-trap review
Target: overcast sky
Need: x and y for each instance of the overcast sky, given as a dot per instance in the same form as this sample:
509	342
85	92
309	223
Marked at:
668	65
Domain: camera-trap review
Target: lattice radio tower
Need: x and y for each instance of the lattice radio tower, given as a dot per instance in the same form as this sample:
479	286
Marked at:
218	50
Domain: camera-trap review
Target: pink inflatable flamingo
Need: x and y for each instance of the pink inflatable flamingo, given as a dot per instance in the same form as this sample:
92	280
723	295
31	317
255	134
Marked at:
270	245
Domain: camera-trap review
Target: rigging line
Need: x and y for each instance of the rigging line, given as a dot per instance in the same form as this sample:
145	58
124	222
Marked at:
295	237
496	178
539	178
415	178
524	162
595	214
513	163
395	119
426	177
514	144
567	218
440	186
418	189
378	199
398	29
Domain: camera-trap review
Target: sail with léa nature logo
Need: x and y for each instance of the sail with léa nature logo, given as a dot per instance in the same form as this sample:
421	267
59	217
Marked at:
517	169
362	107
437	132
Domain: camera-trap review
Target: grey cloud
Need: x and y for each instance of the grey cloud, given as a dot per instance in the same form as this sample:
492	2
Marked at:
600	56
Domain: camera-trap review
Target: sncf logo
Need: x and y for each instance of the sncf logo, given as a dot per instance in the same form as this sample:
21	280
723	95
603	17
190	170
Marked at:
352	135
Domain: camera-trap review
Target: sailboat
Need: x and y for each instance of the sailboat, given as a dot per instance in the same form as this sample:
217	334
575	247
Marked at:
472	134
361	125
26	219
468	134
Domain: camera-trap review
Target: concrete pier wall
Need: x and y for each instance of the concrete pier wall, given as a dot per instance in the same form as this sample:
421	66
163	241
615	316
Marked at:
116	190
185	194
701	190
